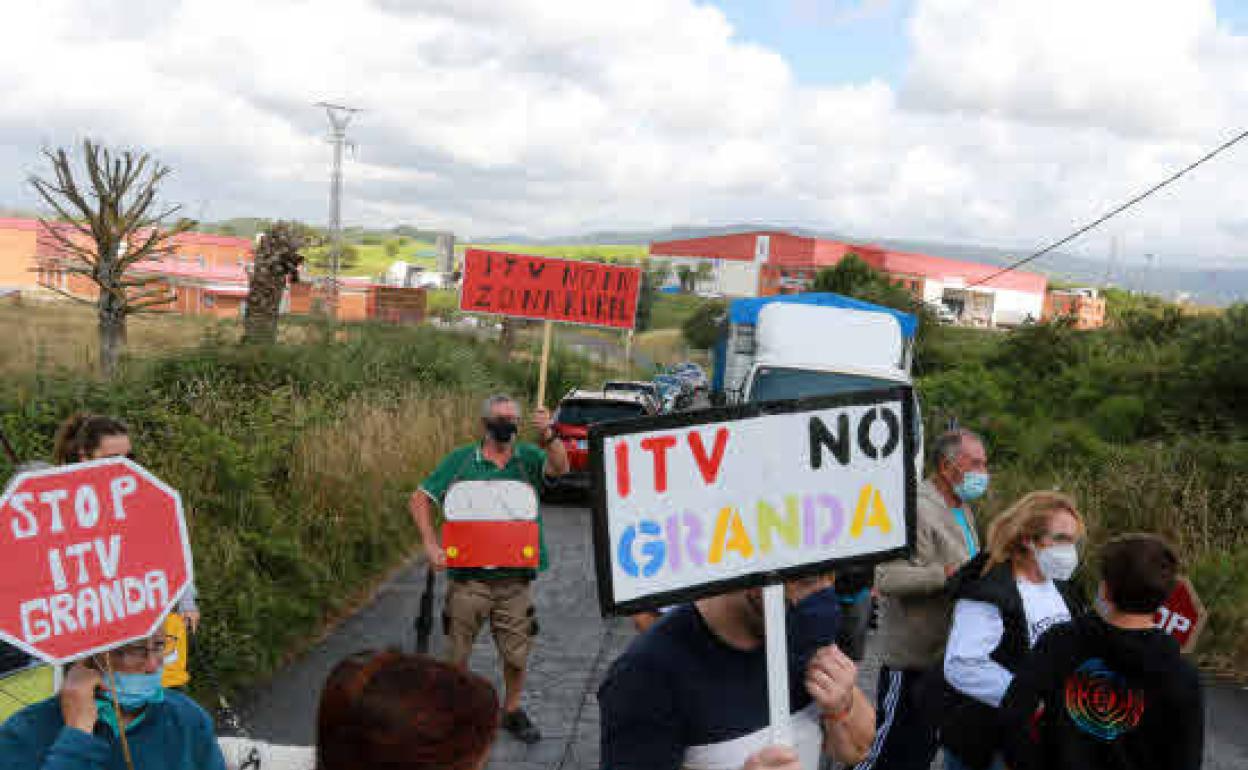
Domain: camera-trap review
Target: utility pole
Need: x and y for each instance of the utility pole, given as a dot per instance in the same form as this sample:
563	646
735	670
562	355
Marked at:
339	117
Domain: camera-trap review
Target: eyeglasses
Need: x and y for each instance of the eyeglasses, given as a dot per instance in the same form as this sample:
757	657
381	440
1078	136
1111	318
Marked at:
138	653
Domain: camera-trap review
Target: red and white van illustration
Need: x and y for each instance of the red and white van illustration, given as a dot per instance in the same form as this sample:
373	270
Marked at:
491	523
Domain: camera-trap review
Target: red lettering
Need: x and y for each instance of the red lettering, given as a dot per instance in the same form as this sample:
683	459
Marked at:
658	446
622	478
709	465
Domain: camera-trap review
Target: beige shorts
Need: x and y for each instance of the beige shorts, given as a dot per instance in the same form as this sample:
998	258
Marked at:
507	604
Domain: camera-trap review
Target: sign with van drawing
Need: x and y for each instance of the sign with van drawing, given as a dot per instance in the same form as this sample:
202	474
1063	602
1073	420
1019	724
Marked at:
701	503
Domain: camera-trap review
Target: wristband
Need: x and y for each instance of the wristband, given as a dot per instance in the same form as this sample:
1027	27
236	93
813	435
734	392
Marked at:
836	717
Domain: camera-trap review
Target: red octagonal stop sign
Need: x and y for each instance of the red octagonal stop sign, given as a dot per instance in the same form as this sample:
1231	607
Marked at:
1183	615
93	556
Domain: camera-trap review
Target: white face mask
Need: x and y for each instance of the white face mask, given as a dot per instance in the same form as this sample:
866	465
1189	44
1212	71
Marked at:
1057	562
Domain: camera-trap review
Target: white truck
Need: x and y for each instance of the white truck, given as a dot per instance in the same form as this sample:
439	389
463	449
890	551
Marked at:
802	345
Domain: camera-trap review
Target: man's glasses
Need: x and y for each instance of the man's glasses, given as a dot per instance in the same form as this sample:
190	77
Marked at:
138	653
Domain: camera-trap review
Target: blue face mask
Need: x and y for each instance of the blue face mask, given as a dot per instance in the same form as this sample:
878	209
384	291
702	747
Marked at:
972	487
135	691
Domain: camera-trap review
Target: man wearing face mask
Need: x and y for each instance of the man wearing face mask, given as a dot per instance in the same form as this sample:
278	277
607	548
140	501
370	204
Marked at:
501	595
692	691
79	729
915	608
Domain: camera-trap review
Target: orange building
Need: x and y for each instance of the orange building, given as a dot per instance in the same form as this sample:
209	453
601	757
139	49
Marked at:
1085	306
204	275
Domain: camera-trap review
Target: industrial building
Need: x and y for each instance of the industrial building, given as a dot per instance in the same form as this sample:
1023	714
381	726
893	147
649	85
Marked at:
764	263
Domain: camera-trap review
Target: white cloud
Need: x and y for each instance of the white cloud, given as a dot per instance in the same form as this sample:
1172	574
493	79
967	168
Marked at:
1015	120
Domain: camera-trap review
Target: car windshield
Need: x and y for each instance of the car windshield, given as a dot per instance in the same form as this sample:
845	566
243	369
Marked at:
592	412
773	383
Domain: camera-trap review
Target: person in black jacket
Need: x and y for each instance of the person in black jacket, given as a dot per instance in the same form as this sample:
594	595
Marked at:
1111	692
1006	599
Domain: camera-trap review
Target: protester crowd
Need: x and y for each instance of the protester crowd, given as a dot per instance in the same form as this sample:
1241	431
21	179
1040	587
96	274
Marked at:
989	652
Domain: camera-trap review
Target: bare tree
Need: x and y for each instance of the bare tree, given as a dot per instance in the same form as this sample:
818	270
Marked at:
278	257
103	228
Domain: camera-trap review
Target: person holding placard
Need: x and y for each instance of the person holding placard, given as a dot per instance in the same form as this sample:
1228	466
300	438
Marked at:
102	697
497	588
1110	690
916	610
85	437
692	690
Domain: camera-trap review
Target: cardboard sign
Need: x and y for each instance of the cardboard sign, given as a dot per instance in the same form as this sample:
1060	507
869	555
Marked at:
1183	615
491	523
701	503
95	555
549	289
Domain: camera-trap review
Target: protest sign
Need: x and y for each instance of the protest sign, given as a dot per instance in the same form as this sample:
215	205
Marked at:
544	288
1183	615
701	503
491	523
549	289
95	555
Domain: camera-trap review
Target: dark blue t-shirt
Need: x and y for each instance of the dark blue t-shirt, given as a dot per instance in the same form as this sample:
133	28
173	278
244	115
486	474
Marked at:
681	697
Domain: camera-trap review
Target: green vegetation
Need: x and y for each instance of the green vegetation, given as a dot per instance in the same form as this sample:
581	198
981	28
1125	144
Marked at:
672	310
701	328
295	462
1144	422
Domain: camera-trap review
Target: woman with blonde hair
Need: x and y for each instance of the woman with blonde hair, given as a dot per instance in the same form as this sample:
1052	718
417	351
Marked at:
1006	599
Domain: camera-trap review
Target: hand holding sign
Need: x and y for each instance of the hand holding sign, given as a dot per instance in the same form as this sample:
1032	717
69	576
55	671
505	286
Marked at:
830	680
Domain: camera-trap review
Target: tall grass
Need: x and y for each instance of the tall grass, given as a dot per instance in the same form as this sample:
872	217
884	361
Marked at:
295	463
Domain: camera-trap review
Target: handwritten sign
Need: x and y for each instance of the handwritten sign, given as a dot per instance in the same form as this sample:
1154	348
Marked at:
95	555
549	289
702	503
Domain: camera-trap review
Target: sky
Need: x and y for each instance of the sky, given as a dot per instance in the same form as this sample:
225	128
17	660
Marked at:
1007	123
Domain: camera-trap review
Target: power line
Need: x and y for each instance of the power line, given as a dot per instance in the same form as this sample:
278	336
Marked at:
1118	210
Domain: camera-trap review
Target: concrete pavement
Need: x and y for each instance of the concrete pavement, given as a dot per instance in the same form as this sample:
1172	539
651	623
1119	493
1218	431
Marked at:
575	646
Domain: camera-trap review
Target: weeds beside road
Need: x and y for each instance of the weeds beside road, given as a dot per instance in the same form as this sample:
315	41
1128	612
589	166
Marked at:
295	461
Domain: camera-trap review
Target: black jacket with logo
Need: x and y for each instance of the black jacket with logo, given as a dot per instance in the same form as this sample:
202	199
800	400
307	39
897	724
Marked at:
1112	699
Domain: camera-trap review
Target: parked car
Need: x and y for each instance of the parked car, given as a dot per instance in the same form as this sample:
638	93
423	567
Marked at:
694	374
677	393
647	389
582	408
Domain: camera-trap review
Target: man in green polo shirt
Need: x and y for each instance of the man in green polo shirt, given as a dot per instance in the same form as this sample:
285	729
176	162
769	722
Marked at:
501	595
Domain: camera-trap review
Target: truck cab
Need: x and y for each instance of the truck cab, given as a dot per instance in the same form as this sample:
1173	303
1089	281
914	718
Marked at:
804	345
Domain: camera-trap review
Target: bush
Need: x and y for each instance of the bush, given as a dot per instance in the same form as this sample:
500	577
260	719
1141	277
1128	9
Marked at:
701	329
295	464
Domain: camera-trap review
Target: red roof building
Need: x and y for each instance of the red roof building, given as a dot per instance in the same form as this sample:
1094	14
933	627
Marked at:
767	262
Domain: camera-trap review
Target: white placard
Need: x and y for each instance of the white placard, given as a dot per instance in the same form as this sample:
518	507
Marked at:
705	502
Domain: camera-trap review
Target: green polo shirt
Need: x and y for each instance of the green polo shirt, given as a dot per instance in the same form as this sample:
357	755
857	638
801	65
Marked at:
466	463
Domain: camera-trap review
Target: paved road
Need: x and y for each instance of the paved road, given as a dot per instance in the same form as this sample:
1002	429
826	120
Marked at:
574	649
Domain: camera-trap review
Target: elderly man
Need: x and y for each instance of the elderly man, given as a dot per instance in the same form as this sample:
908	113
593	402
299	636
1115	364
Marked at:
916	611
502	595
80	728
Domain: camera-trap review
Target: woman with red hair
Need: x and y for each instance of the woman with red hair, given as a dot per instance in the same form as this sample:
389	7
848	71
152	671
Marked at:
397	711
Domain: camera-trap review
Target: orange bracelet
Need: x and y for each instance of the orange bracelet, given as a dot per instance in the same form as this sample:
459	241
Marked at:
837	717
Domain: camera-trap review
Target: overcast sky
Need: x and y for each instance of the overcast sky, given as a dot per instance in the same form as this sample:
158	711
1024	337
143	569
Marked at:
1004	122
